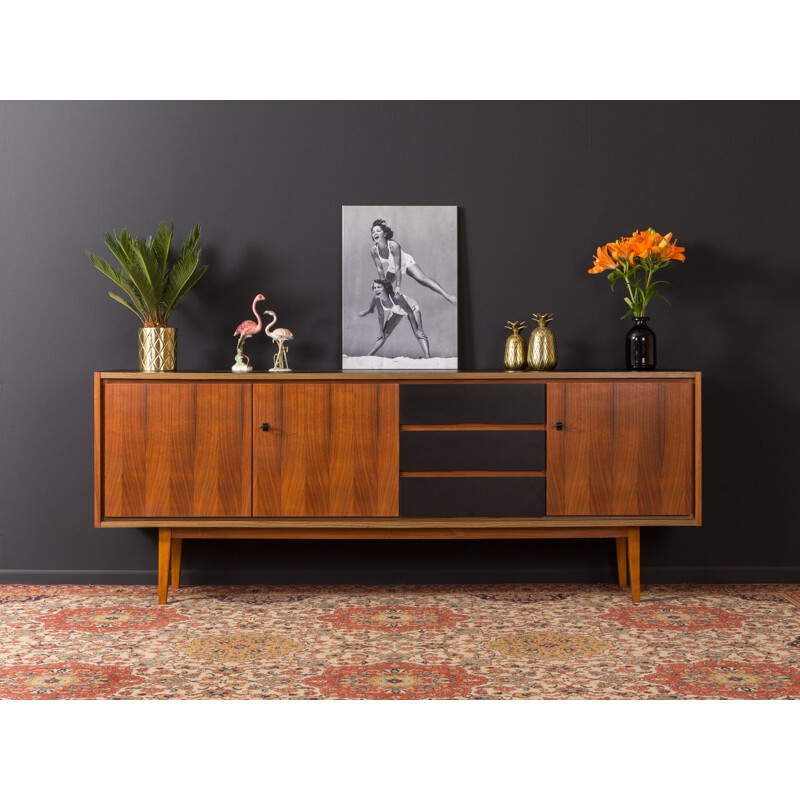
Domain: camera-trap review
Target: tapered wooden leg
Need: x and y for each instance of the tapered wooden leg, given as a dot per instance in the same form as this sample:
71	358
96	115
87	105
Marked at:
622	561
177	546
633	563
164	552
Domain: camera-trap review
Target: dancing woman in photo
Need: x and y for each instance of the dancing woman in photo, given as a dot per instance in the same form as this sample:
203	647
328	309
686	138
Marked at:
392	262
392	307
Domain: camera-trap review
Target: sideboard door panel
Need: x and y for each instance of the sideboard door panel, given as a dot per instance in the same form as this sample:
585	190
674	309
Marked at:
331	450
176	449
624	448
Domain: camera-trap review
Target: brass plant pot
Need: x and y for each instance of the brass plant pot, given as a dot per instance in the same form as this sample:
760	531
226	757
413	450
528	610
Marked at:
158	349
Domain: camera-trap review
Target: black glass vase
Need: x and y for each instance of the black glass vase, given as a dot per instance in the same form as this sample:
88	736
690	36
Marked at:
640	346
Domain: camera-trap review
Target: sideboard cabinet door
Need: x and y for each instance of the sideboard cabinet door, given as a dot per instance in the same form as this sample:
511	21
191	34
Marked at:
623	448
325	450
176	449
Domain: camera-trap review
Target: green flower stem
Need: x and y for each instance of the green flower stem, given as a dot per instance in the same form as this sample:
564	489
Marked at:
648	268
625	275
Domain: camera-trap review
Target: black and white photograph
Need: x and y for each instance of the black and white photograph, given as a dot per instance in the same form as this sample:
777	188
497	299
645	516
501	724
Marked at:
399	287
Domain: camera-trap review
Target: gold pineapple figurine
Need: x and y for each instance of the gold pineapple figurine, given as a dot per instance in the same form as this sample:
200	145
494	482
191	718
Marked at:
542	351
514	358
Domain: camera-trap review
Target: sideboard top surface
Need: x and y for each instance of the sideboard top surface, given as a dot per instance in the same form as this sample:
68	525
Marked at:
380	375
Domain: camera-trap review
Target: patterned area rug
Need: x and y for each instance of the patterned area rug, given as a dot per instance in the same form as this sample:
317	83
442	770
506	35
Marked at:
400	642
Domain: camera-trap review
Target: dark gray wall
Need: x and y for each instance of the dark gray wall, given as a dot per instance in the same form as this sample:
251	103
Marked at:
539	186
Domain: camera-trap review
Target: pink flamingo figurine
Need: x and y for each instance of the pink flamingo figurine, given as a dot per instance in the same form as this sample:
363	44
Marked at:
245	331
281	336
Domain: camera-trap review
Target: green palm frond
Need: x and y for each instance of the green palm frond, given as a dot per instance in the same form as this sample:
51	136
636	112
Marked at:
120	277
144	274
127	305
191	242
161	244
182	277
126	250
141	268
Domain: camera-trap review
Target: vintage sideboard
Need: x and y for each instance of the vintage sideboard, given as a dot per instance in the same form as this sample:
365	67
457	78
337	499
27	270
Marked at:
378	455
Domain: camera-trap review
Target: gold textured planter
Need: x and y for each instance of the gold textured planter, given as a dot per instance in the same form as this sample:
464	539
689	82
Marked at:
542	351
158	349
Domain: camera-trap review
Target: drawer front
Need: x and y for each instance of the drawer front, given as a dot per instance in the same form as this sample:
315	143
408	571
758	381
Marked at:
472	497
473	450
485	403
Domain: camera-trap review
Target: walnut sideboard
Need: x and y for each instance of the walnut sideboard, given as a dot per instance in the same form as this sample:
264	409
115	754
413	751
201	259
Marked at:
378	455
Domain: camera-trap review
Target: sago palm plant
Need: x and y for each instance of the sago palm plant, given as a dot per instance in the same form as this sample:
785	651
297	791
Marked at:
153	286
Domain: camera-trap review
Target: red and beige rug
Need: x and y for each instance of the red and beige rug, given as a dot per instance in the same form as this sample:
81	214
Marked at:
400	642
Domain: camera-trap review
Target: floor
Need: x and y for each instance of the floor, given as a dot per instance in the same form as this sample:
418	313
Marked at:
401	642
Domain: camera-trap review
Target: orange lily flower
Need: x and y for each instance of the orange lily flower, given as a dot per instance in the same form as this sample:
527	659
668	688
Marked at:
624	249
603	261
644	242
635	259
672	252
669	251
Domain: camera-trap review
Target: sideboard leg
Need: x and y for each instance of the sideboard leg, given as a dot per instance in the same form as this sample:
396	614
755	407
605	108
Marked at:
177	546
622	561
164	552
633	562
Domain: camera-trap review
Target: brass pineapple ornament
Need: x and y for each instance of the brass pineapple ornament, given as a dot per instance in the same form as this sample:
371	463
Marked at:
542	351
514	358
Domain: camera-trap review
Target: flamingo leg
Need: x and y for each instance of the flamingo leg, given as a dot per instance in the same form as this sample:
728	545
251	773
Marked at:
280	357
240	356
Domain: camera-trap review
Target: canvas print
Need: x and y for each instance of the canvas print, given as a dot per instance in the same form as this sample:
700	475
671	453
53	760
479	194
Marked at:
399	287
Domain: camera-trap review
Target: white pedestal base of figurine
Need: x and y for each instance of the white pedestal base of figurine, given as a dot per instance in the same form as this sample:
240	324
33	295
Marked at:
241	368
279	369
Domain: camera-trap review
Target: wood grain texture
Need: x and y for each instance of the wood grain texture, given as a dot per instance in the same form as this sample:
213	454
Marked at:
176	449
164	552
698	449
462	532
98	449
622	561
474	473
396	523
626	448
633	563
182	451
449	376
175	562
476	426
331	450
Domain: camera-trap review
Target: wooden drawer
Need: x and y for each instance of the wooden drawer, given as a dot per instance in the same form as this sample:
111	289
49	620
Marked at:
472	450
472	497
483	403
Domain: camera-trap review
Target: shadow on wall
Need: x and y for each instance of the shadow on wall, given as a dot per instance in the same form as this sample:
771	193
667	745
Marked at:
750	390
224	297
219	303
466	345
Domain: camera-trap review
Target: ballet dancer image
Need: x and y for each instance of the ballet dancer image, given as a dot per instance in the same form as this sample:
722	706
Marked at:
392	262
392	307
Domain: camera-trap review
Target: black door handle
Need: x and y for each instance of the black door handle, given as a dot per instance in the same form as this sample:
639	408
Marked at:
265	426
559	426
